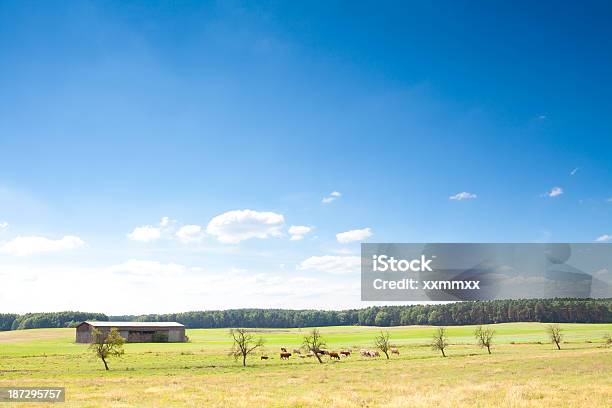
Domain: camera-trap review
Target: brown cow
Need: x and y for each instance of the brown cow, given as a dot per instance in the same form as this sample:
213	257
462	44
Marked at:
345	353
394	350
285	356
333	354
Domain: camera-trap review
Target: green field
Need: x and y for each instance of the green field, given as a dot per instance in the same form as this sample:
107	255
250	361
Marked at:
525	370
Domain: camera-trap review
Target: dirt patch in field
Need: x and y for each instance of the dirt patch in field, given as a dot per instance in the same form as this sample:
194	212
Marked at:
17	336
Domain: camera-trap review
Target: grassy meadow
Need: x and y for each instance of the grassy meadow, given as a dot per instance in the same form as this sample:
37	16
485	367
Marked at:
525	370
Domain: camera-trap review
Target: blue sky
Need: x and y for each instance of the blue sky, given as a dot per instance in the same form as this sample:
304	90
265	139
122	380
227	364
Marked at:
115	114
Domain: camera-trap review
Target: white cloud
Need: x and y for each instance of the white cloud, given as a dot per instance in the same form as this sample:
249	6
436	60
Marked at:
236	271
332	264
555	192
463	196
145	233
238	225
604	238
138	285
149	268
542	117
148	233
297	232
165	222
29	245
3	225
190	233
609	200
574	171
332	197
354	235
342	251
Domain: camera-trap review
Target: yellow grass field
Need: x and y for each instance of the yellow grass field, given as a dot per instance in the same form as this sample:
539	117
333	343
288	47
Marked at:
525	370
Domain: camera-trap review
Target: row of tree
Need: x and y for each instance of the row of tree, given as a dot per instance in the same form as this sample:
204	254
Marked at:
245	344
484	338
10	321
450	314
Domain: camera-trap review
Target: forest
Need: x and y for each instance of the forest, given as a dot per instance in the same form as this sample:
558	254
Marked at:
449	314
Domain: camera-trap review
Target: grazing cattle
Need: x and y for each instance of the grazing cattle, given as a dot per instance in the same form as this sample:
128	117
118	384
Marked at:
364	353
264	357
310	354
345	353
297	351
333	354
323	352
394	350
285	356
284	350
370	353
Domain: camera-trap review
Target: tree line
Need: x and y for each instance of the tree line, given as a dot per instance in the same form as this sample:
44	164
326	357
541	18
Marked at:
11	321
449	314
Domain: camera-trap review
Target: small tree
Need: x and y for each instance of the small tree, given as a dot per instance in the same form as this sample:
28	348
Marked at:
314	342
440	340
554	332
382	343
244	344
484	337
105	347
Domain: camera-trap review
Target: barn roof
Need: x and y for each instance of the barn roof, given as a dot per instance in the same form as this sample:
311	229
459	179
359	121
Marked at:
133	324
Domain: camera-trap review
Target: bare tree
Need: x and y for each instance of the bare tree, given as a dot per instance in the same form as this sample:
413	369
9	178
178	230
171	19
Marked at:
554	332
244	344
382	343
484	337
107	346
314	342
440	340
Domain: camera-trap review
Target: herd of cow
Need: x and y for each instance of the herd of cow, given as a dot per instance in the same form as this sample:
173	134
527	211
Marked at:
285	355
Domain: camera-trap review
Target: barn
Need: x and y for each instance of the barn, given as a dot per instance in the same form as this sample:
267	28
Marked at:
134	332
